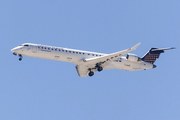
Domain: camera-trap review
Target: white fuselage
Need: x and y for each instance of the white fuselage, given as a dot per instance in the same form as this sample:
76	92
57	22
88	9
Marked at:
76	56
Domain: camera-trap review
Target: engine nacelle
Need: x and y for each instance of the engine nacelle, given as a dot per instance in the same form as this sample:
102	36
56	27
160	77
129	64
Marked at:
133	58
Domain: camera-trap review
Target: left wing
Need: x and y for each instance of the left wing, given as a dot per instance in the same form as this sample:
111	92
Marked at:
92	63
104	60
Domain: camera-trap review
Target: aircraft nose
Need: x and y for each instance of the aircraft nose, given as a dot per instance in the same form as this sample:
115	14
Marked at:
13	50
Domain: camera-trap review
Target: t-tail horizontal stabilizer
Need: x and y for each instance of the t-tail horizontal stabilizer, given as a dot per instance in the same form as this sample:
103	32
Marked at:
153	54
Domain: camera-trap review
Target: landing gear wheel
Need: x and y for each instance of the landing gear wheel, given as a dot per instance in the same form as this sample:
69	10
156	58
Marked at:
91	73
100	69
20	59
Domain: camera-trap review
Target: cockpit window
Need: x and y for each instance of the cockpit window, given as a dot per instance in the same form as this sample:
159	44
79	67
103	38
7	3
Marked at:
26	45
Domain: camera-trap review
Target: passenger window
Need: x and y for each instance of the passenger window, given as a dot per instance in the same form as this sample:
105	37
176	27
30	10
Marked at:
63	50
70	51
59	50
66	51
88	54
76	52
79	52
73	52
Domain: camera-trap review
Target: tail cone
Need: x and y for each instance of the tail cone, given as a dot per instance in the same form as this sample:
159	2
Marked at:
154	66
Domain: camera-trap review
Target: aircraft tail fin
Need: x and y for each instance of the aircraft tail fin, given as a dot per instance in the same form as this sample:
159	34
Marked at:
153	54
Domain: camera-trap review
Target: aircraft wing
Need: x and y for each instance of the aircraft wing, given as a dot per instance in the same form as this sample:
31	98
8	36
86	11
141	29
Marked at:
102	61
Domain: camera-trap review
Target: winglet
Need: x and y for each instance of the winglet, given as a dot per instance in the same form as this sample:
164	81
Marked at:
134	48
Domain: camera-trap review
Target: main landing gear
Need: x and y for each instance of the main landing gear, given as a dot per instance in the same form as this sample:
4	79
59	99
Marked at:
99	69
91	73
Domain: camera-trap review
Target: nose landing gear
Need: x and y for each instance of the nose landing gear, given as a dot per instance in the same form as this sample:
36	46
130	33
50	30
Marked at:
20	57
14	54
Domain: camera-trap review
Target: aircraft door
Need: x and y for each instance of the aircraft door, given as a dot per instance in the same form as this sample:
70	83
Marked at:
34	49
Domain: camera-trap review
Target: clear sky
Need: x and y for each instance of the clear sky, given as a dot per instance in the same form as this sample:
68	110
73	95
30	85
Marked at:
39	89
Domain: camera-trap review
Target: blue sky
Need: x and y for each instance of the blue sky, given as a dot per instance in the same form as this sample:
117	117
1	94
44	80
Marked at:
35	89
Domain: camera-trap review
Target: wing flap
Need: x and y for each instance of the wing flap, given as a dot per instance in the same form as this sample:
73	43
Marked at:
82	70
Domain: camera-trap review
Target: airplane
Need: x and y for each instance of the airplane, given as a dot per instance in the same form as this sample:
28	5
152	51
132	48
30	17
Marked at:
89	62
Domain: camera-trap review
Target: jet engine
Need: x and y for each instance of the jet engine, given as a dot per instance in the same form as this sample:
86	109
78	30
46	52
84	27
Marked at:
133	58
